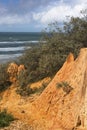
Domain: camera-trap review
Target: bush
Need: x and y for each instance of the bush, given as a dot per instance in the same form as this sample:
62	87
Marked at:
41	88
4	77
22	79
26	91
5	118
66	87
23	89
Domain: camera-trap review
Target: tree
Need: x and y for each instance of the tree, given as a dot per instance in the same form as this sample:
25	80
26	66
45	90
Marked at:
76	29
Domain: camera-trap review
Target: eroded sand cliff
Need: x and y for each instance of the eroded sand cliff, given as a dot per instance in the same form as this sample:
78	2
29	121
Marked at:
62	105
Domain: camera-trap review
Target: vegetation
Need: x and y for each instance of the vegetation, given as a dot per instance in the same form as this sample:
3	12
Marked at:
5	118
41	88
4	77
22	79
62	84
27	91
46	58
66	87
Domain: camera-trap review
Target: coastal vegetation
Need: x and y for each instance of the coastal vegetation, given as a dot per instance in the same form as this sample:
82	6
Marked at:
5	118
4	77
65	86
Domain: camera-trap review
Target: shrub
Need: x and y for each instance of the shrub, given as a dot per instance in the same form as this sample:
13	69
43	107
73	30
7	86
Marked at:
26	91
4	77
66	87
59	85
23	89
41	88
5	118
22	79
65	84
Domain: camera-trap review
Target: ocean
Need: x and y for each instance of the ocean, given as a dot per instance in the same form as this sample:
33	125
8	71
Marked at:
13	44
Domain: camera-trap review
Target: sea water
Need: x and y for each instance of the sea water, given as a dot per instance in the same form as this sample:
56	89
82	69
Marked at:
13	44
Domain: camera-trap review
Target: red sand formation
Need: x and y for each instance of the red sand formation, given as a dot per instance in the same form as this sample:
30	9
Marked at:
14	70
65	110
56	108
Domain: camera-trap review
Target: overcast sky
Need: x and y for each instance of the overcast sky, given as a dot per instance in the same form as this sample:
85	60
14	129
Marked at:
34	15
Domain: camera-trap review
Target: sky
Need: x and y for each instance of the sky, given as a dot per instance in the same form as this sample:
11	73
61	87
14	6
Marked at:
35	15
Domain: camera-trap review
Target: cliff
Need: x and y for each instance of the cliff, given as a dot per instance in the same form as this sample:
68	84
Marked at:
62	105
64	109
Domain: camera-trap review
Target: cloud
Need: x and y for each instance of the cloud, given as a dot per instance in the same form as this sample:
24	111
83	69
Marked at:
20	11
39	12
14	19
59	12
2	10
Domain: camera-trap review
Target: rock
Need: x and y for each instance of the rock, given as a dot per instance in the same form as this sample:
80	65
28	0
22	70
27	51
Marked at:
70	58
20	68
14	70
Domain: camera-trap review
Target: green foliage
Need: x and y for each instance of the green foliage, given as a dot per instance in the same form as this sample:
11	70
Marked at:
76	29
22	79
5	118
59	85
4	77
26	91
65	84
23	89
62	84
41	88
66	87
